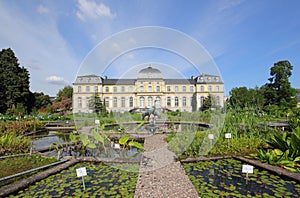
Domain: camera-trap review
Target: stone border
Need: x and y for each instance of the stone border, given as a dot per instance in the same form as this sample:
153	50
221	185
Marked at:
274	169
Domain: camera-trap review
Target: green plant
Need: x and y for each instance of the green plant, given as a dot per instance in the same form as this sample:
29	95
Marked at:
124	142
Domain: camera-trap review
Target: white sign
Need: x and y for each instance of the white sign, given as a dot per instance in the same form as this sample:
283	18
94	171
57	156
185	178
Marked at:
227	135
117	146
97	122
211	136
247	169
81	172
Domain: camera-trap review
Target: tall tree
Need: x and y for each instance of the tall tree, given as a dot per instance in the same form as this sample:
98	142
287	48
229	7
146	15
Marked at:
279	91
97	105
14	82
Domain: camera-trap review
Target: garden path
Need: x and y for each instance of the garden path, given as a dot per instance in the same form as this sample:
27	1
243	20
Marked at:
160	175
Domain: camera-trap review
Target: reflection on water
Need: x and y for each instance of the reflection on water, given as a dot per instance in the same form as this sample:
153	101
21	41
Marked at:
49	137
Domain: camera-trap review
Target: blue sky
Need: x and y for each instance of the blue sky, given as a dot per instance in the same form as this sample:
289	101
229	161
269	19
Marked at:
243	37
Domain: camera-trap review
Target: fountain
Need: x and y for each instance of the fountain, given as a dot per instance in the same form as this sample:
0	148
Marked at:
151	114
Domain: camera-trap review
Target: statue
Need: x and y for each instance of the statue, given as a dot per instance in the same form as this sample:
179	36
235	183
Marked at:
152	111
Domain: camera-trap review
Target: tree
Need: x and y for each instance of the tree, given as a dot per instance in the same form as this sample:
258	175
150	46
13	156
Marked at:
64	106
97	105
14	84
41	100
194	102
66	92
242	97
279	91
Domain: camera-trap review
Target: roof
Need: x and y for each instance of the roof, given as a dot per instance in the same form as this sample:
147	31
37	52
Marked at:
180	81
149	73
118	81
88	79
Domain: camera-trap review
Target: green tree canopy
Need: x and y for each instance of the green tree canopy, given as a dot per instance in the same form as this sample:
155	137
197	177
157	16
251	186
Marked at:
66	92
41	100
242	97
14	84
279	91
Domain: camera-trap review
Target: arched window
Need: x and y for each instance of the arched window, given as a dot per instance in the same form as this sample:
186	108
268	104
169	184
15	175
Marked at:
115	102
142	102
150	101
131	101
184	101
79	102
157	102
123	102
168	101
176	101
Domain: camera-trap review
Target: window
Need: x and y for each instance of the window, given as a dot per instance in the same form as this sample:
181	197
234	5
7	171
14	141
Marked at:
131	101
149	101
191	89
106	102
79	102
115	89
79	89
157	102
184	101
169	101
115	101
218	100
149	88
141	88
176	101
209	88
168	88
87	89
87	102
191	101
184	88
106	89
123	89
176	89
157	88
217	88
202	88
123	102
96	89
142	102
131	88
201	100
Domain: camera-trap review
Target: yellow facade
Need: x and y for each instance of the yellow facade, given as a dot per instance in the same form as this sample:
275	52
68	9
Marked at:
145	91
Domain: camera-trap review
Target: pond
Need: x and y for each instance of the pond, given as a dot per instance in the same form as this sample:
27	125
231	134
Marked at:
101	181
45	139
224	178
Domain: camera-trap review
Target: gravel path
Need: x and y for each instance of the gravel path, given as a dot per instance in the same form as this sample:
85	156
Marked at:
159	174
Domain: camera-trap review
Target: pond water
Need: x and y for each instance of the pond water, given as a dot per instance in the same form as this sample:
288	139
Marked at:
48	137
224	178
101	181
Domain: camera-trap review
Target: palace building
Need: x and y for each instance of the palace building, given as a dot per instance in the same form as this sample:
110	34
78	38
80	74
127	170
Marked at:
147	90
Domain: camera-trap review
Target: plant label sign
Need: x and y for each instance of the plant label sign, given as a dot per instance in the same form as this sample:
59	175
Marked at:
81	172
247	169
227	135
97	122
211	136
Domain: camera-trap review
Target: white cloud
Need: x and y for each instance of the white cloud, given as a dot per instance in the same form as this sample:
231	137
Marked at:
57	80
91	10
42	9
